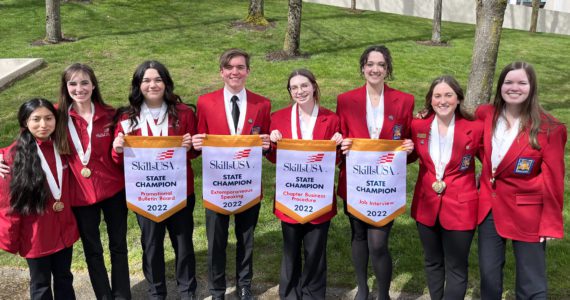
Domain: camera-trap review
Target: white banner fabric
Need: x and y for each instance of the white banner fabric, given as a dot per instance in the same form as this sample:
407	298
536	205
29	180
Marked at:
376	180
231	172
304	178
155	175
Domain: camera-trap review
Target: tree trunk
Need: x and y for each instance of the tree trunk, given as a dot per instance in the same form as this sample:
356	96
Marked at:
436	31
534	16
293	34
255	13
353	5
53	22
490	15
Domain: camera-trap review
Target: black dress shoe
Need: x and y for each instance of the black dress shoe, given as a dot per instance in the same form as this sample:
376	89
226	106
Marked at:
218	297
244	293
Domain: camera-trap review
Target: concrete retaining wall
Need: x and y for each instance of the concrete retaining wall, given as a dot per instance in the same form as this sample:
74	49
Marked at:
462	11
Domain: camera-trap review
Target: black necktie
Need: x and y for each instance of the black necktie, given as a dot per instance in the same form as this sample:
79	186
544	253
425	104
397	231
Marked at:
235	110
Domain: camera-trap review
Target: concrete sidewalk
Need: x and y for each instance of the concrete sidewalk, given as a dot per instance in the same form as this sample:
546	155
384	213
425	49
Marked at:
12	69
14	283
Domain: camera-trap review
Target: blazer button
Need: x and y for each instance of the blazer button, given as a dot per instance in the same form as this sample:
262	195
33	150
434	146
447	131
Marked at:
494	194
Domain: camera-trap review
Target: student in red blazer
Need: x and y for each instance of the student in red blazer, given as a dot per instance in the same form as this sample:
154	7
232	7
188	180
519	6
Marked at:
100	182
390	115
36	220
446	213
217	111
152	99
308	281
522	184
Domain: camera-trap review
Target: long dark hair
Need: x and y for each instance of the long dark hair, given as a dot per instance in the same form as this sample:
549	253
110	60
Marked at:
28	186
309	75
454	85
65	100
136	97
531	110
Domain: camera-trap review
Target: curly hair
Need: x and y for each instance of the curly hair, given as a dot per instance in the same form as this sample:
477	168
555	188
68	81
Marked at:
136	97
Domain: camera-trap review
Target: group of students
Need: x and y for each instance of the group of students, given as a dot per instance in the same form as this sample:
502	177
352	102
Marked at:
79	145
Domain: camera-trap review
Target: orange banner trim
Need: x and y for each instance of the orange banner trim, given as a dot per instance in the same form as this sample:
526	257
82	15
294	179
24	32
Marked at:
306	145
215	140
160	218
293	215
376	145
153	141
209	205
380	223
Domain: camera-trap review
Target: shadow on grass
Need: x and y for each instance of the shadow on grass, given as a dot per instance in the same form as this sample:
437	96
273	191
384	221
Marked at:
333	39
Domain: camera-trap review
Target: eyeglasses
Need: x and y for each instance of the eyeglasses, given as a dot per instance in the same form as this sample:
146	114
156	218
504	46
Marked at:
303	87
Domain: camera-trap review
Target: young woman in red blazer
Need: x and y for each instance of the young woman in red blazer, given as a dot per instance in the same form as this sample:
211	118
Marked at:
35	208
445	200
373	111
309	281
152	99
85	120
522	184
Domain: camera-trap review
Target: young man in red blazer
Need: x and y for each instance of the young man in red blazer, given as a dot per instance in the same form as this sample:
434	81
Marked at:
229	111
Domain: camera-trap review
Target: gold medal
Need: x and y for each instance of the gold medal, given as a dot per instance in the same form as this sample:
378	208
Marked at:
438	186
85	172
58	206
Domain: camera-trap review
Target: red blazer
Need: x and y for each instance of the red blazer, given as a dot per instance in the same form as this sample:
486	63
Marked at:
186	123
106	177
212	114
326	126
528	194
36	235
351	109
456	207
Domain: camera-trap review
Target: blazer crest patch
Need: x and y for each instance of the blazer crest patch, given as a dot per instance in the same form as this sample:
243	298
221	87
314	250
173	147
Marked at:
397	132
524	166
256	130
465	162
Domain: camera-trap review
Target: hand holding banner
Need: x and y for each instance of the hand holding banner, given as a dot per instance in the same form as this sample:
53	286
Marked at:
155	175
304	180
231	172
376	180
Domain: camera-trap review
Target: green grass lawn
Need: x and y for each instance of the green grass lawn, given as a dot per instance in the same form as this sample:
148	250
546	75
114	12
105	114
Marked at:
188	36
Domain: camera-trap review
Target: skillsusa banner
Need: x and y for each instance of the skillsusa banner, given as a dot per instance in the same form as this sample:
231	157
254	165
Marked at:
376	180
155	175
304	178
231	171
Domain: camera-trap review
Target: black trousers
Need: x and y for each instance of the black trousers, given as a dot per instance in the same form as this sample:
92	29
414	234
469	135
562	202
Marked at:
41	270
446	257
88	219
306	281
530	261
180	227
217	232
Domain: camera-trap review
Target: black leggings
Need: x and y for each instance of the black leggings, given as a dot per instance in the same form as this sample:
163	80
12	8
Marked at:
368	240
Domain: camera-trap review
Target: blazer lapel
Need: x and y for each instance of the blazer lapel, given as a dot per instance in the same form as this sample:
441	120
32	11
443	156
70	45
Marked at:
517	147
220	119
461	139
423	135
320	130
390	104
250	114
358	108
